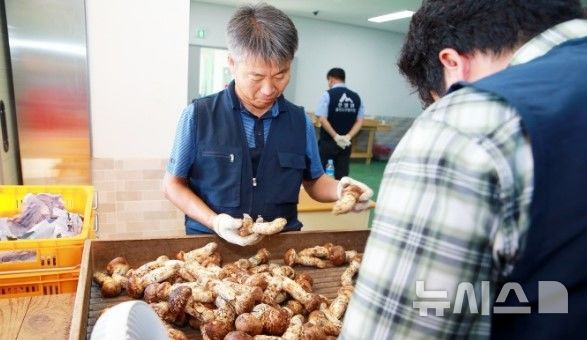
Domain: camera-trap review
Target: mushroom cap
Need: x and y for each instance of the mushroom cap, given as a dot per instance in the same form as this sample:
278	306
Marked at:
286	271
321	321
244	303
306	277
215	330
313	303
248	323
316	317
163	290
275	321
238	335
256	293
231	269
178	298
295	306
225	313
312	332
353	190
180	255
247	226
337	255
163	310
110	288
150	293
135	287
289	257
117	265
257	280
212	259
243	264
263	254
305	281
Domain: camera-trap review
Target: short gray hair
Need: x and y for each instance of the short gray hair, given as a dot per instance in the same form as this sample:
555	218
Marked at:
263	31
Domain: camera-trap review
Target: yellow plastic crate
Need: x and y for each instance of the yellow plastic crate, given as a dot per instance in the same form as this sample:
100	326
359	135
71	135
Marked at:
38	282
48	253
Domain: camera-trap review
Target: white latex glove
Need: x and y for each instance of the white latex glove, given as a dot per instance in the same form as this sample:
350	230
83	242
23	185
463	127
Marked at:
347	139
367	193
342	141
227	227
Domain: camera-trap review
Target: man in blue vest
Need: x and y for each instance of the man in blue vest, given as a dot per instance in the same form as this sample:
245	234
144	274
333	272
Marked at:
481	223
247	149
340	112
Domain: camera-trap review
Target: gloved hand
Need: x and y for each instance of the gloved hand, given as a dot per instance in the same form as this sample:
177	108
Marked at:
347	139
227	227
342	141
367	193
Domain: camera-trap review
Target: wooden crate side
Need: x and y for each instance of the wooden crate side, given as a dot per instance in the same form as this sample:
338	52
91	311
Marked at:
98	253
79	318
138	252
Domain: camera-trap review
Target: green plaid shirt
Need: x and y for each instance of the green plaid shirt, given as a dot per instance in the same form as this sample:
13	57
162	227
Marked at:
453	207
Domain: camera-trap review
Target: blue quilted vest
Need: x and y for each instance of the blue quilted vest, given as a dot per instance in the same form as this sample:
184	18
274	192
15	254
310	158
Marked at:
550	94
222	173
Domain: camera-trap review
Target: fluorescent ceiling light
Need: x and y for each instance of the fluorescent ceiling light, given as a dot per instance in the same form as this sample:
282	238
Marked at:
392	16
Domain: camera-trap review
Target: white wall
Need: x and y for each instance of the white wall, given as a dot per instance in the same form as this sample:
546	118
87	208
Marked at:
138	68
368	56
138	54
213	19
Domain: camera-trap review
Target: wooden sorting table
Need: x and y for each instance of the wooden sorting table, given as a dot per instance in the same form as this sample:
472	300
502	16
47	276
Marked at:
316	215
36	317
370	126
97	253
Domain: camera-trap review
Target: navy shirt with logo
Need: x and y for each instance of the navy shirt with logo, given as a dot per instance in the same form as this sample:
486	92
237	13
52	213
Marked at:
322	109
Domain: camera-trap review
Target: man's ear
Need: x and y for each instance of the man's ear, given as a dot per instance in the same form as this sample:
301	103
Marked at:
457	67
231	63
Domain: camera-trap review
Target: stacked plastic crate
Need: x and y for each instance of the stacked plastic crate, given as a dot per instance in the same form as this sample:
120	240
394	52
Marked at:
53	267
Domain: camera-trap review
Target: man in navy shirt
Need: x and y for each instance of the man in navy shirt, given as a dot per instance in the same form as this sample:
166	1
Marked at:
246	149
340	112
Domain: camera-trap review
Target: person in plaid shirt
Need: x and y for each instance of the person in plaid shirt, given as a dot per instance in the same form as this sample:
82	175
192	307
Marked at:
470	194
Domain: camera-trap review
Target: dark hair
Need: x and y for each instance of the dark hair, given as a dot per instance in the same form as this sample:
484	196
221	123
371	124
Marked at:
487	26
337	73
263	31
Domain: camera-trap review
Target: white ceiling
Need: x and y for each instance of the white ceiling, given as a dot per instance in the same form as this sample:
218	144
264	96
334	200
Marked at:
350	12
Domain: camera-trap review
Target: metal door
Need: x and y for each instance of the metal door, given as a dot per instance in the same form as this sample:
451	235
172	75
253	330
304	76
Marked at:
48	57
9	173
